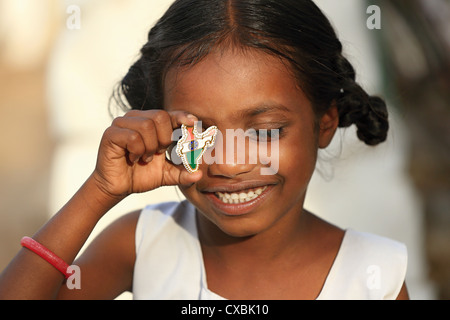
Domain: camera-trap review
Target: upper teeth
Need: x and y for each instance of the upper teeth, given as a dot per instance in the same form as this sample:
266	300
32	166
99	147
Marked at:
241	196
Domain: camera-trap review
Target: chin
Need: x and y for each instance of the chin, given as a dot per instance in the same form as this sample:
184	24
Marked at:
240	227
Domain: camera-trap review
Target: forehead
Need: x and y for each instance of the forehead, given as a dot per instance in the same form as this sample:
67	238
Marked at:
229	83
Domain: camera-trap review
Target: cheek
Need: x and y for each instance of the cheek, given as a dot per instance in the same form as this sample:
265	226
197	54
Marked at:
298	160
188	191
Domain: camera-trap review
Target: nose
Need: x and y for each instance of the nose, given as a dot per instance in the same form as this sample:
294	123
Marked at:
231	156
227	170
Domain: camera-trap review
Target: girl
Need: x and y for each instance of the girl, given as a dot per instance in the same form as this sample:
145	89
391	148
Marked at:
257	65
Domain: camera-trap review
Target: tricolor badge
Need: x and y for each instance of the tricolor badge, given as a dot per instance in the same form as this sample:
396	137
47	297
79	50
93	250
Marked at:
192	145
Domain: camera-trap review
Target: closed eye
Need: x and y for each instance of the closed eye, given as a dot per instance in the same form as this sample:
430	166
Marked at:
265	135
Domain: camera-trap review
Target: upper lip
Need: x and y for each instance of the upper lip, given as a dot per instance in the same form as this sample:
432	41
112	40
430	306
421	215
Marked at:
233	187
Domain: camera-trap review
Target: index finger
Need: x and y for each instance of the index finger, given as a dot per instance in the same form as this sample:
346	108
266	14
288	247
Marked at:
176	118
182	117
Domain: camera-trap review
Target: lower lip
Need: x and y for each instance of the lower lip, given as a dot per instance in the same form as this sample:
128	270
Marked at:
238	209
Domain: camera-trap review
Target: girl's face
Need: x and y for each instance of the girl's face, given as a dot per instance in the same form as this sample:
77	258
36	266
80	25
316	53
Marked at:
251	90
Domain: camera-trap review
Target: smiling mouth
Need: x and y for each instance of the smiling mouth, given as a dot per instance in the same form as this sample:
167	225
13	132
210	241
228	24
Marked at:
241	196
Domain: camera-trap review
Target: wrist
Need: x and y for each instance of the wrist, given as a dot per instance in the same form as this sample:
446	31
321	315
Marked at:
97	196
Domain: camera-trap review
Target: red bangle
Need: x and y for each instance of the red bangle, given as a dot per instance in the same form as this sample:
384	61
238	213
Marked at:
47	255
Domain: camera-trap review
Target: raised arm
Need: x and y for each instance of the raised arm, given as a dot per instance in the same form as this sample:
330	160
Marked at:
131	159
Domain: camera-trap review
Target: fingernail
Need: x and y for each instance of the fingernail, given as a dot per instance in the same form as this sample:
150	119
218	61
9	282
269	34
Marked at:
191	116
133	158
149	159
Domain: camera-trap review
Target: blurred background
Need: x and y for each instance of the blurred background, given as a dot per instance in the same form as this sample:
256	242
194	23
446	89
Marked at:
59	61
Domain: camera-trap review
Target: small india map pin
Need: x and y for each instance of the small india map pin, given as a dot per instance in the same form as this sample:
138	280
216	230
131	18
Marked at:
192	146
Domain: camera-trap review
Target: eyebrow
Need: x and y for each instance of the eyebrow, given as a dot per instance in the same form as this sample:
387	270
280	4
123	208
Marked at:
263	108
251	112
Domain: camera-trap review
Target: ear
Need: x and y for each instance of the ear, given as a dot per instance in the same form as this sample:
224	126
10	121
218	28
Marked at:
328	124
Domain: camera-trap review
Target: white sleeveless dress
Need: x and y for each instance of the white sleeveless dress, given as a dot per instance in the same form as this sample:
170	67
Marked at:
169	262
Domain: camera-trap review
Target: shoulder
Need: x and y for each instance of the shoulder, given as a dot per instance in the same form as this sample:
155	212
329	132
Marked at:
122	234
108	263
156	216
367	266
372	245
169	219
168	262
380	255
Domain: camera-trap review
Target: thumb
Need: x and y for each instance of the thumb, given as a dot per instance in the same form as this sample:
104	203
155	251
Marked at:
178	175
187	178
